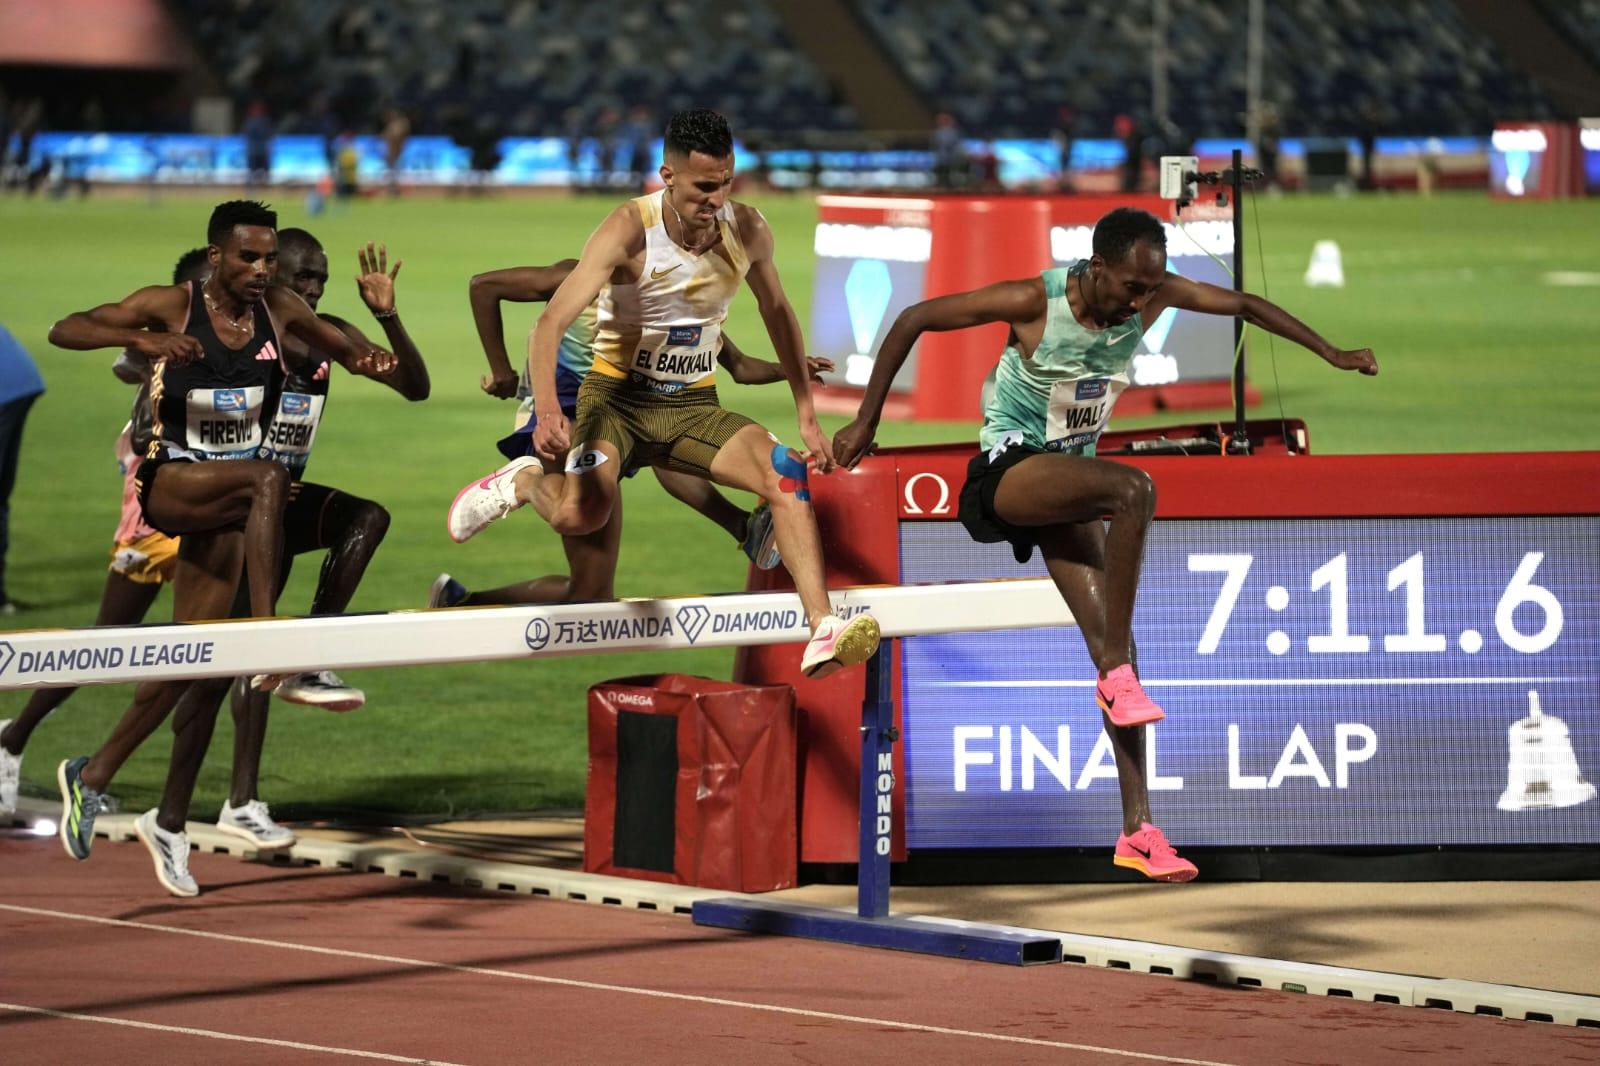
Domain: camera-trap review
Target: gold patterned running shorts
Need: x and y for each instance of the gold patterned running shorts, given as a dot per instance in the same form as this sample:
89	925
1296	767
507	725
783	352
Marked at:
681	430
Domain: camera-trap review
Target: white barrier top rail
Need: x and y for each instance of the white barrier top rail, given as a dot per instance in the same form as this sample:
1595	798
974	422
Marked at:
52	658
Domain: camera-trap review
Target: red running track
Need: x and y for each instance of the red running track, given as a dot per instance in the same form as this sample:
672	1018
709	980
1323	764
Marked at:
275	964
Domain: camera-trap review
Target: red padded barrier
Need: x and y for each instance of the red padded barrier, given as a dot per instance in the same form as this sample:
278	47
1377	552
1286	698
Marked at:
725	815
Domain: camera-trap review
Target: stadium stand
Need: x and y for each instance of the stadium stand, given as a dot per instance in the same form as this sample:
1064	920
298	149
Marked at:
536	67
1332	65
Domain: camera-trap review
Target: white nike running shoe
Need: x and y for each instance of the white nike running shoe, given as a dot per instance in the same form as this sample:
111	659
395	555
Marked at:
253	822
485	501
836	644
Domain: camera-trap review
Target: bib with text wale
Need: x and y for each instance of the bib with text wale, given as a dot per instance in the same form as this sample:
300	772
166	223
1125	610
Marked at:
224	423
675	357
1079	410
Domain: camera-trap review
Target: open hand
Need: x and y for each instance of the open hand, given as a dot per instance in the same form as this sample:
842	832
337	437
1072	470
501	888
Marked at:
816	366
376	280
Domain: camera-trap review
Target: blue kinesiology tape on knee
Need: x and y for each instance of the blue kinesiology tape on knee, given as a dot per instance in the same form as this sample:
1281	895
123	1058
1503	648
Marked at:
793	474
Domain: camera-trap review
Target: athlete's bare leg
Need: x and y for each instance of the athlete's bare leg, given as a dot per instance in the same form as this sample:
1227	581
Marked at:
591	572
1052	490
745	462
700	495
122	603
203	587
579	502
1074	554
201	497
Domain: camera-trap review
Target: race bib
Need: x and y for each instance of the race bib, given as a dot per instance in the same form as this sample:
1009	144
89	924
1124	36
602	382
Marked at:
674	358
224	423
293	429
1079	410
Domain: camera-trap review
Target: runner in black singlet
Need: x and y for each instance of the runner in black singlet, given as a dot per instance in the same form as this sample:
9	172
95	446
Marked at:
217	366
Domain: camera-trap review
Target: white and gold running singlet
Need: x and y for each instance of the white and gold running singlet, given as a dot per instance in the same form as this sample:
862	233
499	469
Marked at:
665	330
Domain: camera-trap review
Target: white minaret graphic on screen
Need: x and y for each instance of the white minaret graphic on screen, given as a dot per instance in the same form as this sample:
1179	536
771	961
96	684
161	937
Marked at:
1543	772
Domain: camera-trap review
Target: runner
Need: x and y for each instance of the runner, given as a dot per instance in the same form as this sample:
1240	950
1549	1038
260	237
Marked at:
669	264
752	530
1073	334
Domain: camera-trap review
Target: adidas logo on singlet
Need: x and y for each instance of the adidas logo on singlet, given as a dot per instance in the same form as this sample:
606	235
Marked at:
267	354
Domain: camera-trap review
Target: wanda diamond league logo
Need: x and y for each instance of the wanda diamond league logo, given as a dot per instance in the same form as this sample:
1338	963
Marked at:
692	620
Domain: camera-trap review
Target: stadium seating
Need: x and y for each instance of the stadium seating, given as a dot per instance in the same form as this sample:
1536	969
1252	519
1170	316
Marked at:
530	67
1332	66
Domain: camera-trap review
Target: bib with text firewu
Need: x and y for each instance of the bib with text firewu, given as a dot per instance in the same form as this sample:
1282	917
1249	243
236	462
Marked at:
676	357
224	423
1079	410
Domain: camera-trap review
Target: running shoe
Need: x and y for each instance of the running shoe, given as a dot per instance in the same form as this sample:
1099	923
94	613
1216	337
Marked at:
1120	695
10	776
170	852
321	689
253	822
761	539
79	805
836	644
446	592
487	500
268	682
1149	852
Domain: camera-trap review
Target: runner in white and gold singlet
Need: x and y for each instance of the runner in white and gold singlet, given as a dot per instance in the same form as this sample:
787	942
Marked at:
665	268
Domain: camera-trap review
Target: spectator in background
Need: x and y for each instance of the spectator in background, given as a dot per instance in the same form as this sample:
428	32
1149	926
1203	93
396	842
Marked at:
20	385
347	168
257	146
396	131
639	132
1065	133
1267	146
325	124
1132	137
608	135
949	154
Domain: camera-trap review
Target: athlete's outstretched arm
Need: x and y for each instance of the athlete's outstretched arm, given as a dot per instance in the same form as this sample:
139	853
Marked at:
746	369
617	240
1014	302
531	284
1207	299
296	317
140	322
376	285
784	330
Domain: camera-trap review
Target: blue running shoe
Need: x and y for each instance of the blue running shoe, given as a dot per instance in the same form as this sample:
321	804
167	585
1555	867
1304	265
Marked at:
760	540
79	805
446	592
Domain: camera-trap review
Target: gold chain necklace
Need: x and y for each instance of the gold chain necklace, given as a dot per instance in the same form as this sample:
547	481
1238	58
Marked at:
236	323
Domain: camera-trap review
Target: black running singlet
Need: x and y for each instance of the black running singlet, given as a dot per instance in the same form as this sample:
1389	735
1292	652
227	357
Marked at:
216	407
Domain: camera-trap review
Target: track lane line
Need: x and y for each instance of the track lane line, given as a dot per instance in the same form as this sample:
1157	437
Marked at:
213	1034
596	986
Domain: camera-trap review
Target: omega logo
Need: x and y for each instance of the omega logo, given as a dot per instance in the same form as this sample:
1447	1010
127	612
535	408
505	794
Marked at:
941	504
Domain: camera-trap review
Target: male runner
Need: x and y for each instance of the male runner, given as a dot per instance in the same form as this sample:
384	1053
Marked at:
316	518
1073	333
752	530
669	265
217	369
142	560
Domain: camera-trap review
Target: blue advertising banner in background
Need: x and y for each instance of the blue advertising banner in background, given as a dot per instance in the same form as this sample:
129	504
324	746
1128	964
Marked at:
1330	682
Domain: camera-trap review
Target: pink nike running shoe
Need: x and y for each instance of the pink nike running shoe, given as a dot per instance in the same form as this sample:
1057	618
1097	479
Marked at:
1120	695
1149	852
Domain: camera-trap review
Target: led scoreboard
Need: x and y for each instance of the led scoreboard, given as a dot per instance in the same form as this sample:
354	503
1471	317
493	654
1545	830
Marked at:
1352	651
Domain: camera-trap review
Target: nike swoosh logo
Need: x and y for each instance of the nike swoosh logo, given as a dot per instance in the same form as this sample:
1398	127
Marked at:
657	275
1137	850
1113	340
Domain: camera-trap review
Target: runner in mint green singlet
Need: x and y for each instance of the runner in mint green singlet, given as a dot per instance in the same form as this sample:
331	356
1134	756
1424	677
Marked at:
1035	484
